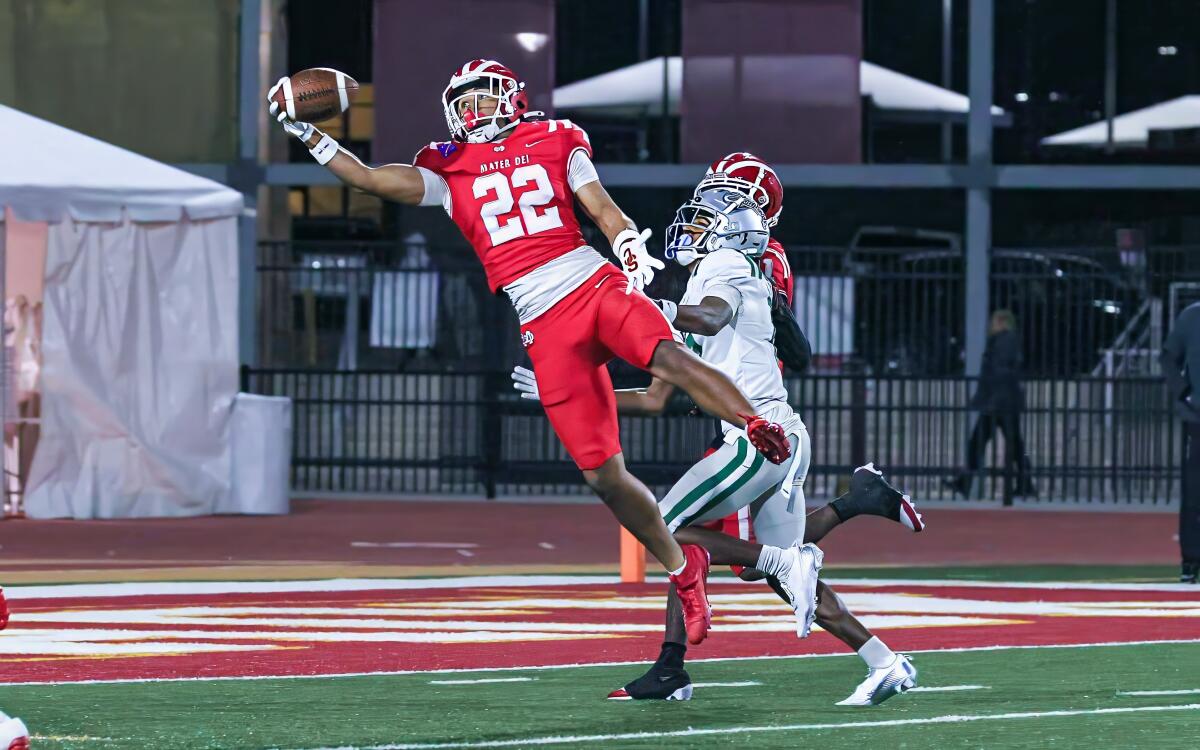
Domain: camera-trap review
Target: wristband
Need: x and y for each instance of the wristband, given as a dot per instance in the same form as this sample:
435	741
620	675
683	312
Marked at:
325	149
669	309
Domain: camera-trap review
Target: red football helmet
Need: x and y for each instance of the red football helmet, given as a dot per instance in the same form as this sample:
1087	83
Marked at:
750	176
479	79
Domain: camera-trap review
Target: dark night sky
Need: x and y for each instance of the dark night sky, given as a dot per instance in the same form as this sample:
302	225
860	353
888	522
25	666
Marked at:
1051	51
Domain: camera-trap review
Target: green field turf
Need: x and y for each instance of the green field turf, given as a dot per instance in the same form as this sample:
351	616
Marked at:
378	710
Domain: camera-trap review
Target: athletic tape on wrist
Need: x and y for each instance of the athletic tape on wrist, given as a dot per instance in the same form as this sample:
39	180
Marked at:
325	149
670	309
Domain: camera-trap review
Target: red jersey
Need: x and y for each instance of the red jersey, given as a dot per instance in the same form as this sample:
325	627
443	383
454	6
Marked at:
512	199
774	265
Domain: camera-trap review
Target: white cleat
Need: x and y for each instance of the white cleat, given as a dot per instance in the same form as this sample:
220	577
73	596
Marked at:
799	582
13	734
882	684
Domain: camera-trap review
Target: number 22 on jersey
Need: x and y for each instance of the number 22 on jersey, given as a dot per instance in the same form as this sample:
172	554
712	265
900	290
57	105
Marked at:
529	221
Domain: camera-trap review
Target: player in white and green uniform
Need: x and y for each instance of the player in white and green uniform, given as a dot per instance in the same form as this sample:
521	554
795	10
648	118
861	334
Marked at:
726	317
726	314
742	348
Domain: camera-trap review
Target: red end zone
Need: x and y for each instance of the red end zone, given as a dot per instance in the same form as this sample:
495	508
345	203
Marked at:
123	632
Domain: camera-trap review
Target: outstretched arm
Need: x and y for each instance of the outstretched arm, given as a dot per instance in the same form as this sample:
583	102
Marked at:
706	318
399	183
650	401
402	183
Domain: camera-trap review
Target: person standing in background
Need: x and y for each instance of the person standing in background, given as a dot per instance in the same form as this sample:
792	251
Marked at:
1181	367
1000	400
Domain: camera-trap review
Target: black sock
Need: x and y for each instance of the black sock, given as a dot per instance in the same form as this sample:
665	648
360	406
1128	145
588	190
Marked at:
843	506
672	655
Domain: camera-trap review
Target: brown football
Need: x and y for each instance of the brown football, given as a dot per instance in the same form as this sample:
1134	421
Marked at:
316	94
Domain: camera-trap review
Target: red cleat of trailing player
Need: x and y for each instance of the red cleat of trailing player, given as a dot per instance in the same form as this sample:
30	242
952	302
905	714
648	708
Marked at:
691	585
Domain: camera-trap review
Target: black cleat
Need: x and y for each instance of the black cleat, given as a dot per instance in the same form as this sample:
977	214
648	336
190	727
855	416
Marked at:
872	495
1189	573
659	683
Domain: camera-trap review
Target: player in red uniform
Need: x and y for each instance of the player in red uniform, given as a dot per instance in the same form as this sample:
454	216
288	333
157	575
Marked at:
509	181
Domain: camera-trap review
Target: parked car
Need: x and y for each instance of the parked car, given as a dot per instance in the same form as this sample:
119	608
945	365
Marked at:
909	306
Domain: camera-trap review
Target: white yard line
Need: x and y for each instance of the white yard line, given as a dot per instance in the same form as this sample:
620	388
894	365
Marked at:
1159	692
158	588
1186	588
482	681
948	688
470	670
415	545
947	719
747	683
85	590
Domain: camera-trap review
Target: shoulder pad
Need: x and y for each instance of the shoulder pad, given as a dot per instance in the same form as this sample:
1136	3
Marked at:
436	152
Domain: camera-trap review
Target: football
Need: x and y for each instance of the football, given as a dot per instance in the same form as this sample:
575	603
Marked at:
316	94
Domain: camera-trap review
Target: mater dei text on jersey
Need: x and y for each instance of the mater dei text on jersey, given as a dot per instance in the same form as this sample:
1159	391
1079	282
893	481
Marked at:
516	161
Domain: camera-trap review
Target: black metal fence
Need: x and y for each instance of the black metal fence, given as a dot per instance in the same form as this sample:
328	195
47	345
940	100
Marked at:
894	311
397	358
1090	440
350	305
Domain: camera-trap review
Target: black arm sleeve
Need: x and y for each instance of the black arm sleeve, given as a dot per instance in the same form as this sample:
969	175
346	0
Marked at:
790	342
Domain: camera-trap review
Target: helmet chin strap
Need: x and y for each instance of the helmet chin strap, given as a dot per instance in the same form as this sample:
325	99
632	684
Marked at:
490	131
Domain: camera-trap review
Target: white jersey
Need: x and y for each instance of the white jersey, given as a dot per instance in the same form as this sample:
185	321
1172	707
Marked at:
744	350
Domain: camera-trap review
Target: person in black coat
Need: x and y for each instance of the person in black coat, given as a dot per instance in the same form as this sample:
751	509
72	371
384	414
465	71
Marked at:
1181	367
1000	399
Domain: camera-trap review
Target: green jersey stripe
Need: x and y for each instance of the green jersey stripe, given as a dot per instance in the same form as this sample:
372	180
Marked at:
732	488
707	485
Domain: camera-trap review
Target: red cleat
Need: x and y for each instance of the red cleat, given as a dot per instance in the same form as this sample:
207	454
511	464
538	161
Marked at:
3	611
768	439
690	585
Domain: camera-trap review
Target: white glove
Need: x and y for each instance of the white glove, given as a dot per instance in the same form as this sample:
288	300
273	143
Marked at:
525	383
636	261
302	130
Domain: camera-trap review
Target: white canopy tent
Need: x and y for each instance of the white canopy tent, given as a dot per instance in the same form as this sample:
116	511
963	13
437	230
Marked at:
638	89
1132	129
139	365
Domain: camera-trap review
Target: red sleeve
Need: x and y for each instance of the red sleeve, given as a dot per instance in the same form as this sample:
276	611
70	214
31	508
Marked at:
781	272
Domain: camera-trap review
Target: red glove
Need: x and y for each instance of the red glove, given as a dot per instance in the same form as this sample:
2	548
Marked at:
768	439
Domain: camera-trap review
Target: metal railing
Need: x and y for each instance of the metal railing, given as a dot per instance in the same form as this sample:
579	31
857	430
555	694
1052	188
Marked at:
1090	440
895	311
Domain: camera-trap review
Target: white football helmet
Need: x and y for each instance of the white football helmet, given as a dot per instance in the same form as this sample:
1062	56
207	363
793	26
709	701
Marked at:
716	219
479	79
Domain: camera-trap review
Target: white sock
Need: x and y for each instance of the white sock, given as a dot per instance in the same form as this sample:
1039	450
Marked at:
681	567
772	560
876	654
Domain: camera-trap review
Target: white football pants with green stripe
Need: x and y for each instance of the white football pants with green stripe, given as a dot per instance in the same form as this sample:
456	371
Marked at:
736	476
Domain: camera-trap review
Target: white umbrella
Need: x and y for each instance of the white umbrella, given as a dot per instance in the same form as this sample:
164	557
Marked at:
1132	129
638	89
